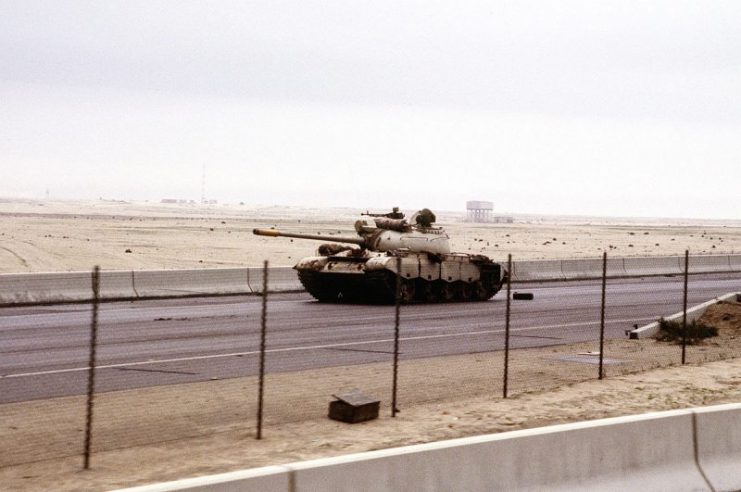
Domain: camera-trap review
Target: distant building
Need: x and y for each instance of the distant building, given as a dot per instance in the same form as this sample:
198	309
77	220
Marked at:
482	211
479	211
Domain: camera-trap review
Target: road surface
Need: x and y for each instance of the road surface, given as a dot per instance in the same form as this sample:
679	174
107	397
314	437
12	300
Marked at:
44	350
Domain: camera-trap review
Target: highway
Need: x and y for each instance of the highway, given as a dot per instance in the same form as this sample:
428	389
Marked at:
44	350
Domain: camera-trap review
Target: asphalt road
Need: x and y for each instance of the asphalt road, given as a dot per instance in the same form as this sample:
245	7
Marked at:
44	350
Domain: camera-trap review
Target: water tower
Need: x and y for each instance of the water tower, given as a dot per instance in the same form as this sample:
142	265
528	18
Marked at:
479	211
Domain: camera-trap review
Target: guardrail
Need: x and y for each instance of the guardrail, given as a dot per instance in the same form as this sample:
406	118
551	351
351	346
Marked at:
694	449
32	288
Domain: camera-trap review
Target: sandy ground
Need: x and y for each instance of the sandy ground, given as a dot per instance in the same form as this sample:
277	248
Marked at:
164	433
73	236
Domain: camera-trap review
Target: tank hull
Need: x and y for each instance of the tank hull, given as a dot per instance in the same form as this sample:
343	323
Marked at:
372	278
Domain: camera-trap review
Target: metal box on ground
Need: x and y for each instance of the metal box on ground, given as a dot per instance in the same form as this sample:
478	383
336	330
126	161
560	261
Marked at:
353	406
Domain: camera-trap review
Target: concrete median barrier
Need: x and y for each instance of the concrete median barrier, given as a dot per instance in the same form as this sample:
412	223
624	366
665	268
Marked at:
708	264
719	445
284	279
116	284
537	270
280	279
735	262
27	288
592	268
24	288
658	265
174	283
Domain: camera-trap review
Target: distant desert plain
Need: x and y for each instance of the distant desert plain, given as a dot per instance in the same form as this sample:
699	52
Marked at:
218	436
49	236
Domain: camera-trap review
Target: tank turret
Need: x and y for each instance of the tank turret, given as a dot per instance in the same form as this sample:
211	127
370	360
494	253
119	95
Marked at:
429	271
388	234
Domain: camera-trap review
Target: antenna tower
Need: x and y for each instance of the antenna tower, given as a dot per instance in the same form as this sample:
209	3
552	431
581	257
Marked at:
203	186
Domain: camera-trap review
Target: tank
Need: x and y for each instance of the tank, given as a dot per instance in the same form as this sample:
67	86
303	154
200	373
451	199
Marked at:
364	268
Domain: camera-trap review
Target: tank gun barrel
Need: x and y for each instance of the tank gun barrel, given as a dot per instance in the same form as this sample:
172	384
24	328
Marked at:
337	239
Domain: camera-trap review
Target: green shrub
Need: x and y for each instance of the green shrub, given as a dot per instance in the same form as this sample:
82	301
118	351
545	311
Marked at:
671	331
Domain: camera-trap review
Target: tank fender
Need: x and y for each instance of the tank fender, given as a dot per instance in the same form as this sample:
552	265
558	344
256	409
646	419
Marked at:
409	264
457	267
316	263
384	262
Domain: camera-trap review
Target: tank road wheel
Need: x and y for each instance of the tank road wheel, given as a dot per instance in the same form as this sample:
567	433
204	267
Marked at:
481	292
427	291
465	291
407	291
447	291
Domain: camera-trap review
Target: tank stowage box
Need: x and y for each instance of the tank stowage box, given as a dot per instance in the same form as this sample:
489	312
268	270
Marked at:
364	268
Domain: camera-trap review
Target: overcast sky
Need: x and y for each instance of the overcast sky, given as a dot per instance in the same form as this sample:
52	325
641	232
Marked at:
591	108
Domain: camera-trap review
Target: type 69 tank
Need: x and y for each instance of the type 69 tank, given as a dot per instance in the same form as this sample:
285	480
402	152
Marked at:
364	269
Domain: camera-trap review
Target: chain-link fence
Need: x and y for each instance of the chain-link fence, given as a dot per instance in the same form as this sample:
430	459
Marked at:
78	379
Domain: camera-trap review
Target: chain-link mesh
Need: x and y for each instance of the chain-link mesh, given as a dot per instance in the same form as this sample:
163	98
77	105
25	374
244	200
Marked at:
177	369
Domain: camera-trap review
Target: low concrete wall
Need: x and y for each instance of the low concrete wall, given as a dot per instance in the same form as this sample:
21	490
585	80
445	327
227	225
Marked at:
694	449
659	265
37	288
639	453
28	288
592	268
707	263
719	445
280	279
265	479
693	313
734	263
537	270
165	283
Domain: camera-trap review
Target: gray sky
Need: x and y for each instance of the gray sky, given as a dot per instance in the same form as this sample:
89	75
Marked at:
594	108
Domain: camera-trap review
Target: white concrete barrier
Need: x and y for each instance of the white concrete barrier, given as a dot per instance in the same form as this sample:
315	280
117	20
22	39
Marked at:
693	313
76	286
165	283
655	451
592	268
734	263
537	270
708	263
650	452
63	287
116	284
45	287
280	279
265	479
658	265
719	445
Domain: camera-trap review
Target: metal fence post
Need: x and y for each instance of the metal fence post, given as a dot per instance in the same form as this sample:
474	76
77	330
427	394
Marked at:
394	388
684	304
506	327
91	365
602	317
263	330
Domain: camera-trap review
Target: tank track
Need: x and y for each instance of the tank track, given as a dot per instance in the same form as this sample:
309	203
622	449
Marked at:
380	288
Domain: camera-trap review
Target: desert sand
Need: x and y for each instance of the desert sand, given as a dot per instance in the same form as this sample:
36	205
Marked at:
38	236
165	433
